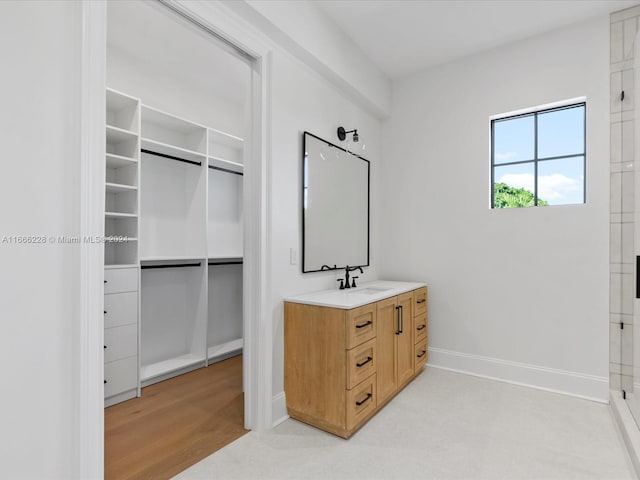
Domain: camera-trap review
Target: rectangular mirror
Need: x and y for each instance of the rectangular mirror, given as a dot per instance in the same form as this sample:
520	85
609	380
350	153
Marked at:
335	206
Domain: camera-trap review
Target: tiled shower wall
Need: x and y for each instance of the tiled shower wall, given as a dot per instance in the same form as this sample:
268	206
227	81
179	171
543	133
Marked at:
624	27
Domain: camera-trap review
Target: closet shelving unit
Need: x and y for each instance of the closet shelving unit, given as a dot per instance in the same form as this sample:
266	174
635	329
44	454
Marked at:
122	173
173	207
191	310
122	278
173	236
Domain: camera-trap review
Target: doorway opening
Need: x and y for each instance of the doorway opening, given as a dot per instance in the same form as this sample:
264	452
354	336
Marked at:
178	115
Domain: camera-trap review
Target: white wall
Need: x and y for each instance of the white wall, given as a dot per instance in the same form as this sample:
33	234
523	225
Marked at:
303	30
39	283
527	286
302	100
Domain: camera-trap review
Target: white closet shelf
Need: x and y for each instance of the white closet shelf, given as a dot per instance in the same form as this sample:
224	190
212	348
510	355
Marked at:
225	348
118	161
168	121
117	100
158	369
170	258
222	258
226	164
117	135
120	265
119	188
120	215
222	138
172	150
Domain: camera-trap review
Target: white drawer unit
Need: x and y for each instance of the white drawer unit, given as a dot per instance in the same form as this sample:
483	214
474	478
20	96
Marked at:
120	342
120	376
120	309
118	280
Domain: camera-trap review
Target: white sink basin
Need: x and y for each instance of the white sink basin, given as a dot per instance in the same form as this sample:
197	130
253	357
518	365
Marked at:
370	290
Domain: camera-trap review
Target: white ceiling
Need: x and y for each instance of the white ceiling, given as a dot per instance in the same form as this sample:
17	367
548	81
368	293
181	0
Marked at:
405	36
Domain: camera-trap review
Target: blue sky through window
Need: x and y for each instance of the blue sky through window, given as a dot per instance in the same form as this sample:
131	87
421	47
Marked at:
514	140
560	133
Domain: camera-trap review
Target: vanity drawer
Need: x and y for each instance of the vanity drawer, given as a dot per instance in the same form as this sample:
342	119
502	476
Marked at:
361	401
361	325
120	376
120	342
361	362
420	330
118	280
120	309
420	355
420	301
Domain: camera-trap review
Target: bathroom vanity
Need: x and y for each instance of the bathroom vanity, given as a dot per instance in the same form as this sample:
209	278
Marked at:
348	352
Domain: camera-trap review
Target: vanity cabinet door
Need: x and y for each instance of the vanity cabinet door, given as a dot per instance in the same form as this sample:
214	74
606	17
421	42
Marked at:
404	339
388	327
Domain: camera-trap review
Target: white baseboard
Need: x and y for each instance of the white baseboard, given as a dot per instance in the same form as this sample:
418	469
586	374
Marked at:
278	409
580	385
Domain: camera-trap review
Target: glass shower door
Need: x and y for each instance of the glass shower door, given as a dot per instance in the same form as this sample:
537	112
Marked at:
626	233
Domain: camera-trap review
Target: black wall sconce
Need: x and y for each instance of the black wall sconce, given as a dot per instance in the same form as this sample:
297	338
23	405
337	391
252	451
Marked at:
342	134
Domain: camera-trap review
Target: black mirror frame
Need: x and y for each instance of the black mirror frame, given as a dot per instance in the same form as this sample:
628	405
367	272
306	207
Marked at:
302	169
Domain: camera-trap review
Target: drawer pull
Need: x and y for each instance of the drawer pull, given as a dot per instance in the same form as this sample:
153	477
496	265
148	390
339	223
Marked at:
362	364
422	300
369	322
369	395
422	353
421	327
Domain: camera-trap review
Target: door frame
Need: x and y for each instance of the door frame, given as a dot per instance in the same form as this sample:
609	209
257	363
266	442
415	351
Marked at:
258	337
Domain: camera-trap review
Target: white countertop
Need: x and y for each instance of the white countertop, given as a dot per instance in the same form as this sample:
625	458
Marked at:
347	299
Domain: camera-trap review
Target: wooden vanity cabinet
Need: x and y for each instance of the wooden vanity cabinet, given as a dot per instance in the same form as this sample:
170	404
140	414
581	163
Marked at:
341	366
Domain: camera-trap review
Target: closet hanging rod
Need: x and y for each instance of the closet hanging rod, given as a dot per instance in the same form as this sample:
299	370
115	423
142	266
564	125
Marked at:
171	157
238	262
225	170
171	265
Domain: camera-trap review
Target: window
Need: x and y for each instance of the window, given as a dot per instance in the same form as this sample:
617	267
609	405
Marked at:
539	158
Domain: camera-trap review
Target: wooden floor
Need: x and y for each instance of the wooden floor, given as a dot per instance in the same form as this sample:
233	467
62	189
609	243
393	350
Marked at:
175	423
